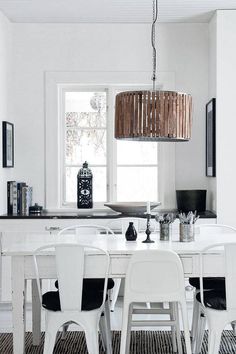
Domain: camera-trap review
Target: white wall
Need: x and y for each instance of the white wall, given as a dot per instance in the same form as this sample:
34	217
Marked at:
226	116
212	60
40	48
190	43
5	47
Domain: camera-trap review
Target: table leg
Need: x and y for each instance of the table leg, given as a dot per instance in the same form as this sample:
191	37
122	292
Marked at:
18	304
36	314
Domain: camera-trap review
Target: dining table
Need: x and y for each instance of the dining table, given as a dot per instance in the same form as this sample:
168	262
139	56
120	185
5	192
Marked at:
20	246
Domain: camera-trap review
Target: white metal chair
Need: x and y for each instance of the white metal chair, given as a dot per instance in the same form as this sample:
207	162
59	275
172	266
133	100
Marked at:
74	302
93	229
217	307
87	229
209	283
120	225
154	276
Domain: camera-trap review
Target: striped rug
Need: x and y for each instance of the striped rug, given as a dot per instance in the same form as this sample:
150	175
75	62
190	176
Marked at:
142	342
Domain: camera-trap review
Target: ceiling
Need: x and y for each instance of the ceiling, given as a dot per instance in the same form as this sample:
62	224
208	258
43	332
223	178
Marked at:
111	11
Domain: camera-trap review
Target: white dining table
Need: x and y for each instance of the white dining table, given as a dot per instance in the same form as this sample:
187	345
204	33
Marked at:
20	247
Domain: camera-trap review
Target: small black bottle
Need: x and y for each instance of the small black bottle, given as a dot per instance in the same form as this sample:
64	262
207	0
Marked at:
131	233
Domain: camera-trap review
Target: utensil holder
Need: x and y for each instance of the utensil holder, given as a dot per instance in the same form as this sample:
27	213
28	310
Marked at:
186	232
164	232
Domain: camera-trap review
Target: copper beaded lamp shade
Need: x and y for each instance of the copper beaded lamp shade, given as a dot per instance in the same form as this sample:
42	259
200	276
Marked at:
153	115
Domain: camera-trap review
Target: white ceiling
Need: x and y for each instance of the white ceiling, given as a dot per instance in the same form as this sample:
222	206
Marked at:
111	11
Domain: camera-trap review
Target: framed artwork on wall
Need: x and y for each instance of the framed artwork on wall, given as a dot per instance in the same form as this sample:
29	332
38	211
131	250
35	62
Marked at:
7	144
211	138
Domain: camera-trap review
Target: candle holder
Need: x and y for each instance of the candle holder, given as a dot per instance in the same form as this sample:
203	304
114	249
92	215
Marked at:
148	231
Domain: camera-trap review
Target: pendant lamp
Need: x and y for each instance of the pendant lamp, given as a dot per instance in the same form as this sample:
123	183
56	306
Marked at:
153	115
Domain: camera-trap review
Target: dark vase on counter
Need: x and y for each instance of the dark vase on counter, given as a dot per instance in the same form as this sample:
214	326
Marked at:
131	233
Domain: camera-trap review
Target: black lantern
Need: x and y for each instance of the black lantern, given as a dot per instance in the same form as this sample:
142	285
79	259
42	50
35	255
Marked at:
85	187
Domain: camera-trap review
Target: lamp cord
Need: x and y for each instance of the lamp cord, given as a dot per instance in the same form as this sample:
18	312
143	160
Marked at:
153	37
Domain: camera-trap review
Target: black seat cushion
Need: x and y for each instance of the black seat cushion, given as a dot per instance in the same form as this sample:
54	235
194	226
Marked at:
208	283
95	284
214	299
91	300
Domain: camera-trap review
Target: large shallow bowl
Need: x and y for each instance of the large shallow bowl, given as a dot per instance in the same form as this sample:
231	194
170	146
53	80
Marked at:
131	207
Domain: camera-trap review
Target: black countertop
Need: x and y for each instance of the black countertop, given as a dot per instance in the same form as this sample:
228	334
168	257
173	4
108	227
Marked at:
97	215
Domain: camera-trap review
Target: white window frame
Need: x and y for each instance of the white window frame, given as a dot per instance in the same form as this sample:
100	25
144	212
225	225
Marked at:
52	83
111	142
76	88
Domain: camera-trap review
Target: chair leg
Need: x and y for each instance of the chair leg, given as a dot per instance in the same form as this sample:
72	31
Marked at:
233	324
214	340
129	328
197	345
178	332
186	328
49	341
102	327
115	293
196	323
107	323
92	340
125	328
195	317
64	330
173	328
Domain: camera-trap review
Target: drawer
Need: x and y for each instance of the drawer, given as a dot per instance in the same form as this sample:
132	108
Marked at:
119	265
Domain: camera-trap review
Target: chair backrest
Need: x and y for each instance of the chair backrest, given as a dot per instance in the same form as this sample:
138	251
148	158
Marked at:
88	229
209	229
154	276
71	266
121	224
228	251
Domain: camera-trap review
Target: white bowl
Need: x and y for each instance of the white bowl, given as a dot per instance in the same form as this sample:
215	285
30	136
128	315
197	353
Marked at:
131	207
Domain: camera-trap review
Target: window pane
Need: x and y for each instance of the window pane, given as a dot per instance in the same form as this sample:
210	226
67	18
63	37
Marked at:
99	184
136	152
89	145
85	109
136	184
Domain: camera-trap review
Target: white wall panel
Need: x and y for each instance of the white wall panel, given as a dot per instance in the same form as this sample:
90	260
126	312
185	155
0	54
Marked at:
42	48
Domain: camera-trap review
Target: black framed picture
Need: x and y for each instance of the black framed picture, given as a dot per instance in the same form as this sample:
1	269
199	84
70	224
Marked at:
211	138
7	144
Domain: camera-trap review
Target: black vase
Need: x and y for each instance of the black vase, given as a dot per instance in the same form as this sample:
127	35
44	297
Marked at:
131	233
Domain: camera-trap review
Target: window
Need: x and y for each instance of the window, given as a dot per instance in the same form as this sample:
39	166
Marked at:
85	139
122	170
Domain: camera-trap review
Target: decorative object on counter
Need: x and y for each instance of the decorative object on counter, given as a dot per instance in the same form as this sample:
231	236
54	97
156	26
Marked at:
131	233
211	138
187	226
192	199
85	187
153	115
7	144
148	230
164	221
132	208
19	198
35	209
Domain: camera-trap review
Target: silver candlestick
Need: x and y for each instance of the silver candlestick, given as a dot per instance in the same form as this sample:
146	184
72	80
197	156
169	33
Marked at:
148	231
